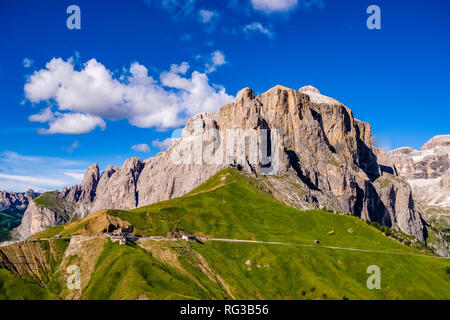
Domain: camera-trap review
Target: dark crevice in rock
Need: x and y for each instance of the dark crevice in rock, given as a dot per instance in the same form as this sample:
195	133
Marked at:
318	117
295	164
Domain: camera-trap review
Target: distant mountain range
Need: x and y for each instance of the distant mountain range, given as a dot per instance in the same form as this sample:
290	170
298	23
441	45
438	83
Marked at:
17	201
428	172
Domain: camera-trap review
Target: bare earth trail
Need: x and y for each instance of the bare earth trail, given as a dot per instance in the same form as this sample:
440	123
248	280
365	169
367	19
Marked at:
318	246
212	189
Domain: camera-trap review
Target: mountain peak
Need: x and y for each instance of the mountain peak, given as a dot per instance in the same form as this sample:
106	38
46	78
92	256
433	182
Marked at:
437	141
245	94
280	87
309	89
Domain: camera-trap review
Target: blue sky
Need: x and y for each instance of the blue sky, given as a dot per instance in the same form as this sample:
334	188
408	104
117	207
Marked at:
157	62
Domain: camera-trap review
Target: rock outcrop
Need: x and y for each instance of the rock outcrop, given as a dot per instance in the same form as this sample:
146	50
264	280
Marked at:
308	150
428	172
18	201
37	218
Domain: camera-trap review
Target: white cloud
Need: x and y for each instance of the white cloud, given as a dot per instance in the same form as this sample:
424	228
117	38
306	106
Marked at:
74	123
217	59
76	175
141	148
181	68
278	6
32	180
163	145
9	158
92	94
20	172
207	15
27	63
45	115
257	27
269	6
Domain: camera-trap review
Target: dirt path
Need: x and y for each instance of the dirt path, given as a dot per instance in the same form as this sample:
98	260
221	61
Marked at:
212	189
319	246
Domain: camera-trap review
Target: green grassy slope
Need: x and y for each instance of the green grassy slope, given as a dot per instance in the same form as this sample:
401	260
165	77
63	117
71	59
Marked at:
129	272
229	206
321	273
261	271
14	288
37	262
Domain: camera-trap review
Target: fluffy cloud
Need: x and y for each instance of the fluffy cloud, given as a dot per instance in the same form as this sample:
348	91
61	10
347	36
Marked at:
73	123
84	98
45	115
206	15
163	145
257	27
143	147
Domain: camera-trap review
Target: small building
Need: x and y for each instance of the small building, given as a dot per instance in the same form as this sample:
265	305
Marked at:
188	237
316	241
126	230
121	239
58	236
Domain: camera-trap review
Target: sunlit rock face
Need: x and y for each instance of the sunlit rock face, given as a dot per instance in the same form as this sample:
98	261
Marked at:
428	172
307	148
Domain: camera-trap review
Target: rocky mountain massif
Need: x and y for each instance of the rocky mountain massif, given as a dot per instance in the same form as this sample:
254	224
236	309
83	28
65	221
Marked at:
319	156
428	172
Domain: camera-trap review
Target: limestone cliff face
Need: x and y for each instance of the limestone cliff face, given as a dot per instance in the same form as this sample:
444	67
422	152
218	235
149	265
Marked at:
38	218
310	153
428	172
